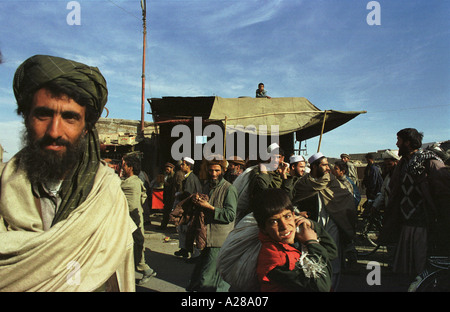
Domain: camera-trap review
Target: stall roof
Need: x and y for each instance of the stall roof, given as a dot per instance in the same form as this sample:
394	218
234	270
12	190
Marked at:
291	114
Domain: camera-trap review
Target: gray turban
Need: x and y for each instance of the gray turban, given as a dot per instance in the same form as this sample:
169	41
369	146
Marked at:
38	70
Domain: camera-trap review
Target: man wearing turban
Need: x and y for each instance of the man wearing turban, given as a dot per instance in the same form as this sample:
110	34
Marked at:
64	221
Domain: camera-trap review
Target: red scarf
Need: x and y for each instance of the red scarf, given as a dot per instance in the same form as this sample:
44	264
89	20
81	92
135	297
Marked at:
272	255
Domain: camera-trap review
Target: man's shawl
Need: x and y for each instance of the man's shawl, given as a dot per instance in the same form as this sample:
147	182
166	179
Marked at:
337	200
91	248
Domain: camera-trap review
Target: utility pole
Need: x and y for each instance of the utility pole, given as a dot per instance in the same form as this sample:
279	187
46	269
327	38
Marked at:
144	23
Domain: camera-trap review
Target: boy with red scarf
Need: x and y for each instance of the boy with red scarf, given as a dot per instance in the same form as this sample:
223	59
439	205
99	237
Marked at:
296	252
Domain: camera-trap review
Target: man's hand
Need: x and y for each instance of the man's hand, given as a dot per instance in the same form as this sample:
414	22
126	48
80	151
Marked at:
201	202
284	168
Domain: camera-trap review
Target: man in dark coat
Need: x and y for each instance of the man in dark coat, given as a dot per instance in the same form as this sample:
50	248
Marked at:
417	215
328	202
372	180
191	184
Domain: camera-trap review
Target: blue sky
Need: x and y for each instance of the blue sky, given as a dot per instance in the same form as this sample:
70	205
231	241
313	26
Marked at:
324	50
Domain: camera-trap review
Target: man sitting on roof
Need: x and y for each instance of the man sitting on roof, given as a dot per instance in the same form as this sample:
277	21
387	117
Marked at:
260	92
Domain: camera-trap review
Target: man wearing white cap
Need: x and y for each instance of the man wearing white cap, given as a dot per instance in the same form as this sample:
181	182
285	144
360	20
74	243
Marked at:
297	167
276	164
191	184
272	173
321	164
390	161
269	174
329	203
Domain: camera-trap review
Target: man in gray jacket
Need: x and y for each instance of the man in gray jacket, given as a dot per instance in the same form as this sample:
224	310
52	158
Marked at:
135	192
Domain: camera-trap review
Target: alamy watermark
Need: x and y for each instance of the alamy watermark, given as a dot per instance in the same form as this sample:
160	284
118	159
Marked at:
74	275
374	16
210	141
74	16
374	276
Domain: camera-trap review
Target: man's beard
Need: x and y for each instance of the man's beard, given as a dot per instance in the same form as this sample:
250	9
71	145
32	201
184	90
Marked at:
236	171
45	166
214	182
403	151
320	172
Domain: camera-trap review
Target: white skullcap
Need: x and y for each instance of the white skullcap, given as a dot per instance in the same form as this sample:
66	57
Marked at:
296	158
391	154
188	159
314	157
272	147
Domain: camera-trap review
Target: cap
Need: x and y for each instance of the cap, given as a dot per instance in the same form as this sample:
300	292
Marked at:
168	164
314	157
296	158
345	155
236	160
272	147
188	159
215	161
391	154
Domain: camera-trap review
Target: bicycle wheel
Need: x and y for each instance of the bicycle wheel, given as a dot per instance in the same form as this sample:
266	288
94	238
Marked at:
438	281
372	230
369	236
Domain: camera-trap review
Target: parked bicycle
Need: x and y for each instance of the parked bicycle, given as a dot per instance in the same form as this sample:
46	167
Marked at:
370	228
435	277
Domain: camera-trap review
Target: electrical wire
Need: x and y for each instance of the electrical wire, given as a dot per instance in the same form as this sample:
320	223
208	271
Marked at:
124	9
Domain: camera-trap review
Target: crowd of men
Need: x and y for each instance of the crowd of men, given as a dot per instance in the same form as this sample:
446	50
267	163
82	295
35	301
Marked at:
62	209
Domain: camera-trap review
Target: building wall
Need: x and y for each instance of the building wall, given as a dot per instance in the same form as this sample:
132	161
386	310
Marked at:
110	129
114	126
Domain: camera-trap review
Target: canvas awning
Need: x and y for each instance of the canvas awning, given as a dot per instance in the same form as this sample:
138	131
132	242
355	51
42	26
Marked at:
254	115
291	114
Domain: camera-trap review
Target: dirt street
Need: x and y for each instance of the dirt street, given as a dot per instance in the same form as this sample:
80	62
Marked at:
173	273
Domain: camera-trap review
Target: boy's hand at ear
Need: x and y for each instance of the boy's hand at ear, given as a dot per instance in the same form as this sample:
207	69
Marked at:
306	233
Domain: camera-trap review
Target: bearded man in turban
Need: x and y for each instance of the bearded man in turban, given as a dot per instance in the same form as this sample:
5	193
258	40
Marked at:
64	221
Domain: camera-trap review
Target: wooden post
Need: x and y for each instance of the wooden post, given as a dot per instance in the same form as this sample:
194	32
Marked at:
225	139
321	132
144	13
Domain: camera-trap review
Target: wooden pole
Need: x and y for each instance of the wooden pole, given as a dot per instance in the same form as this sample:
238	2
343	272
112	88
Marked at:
225	139
321	132
144	22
